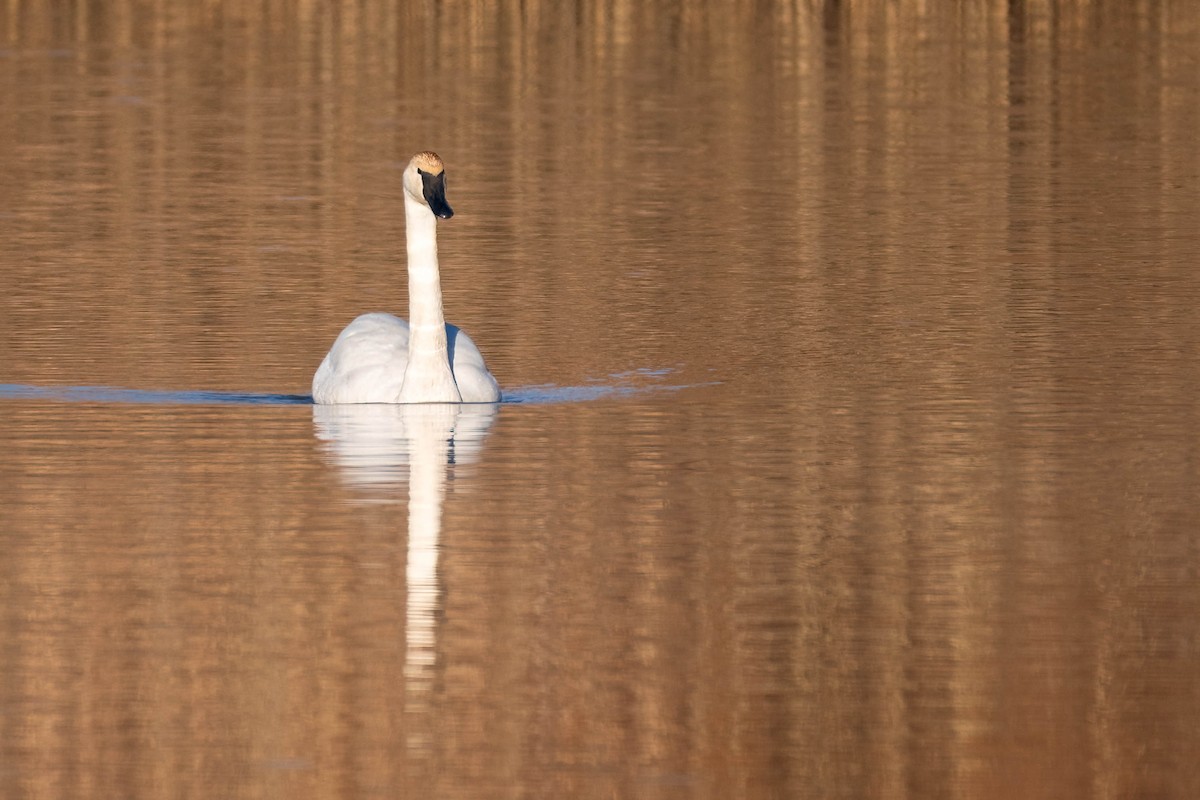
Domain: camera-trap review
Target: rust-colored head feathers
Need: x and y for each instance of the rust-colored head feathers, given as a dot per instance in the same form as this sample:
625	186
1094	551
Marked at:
428	161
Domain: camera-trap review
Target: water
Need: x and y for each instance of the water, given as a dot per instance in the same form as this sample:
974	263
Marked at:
850	359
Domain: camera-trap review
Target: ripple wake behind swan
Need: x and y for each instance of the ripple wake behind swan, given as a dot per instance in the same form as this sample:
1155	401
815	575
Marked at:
622	384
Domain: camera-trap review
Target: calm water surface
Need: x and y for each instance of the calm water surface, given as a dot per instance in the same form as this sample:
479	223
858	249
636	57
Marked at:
853	356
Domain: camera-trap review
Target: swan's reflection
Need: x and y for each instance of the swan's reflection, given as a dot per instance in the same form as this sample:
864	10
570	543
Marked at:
377	447
377	444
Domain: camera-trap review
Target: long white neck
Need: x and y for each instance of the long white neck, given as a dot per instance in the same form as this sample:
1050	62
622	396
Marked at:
428	378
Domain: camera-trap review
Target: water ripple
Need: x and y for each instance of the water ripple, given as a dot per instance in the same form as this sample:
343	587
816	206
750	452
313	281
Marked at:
623	384
113	394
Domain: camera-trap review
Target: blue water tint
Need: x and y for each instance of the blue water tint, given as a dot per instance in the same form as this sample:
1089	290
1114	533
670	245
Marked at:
550	393
619	384
623	384
110	394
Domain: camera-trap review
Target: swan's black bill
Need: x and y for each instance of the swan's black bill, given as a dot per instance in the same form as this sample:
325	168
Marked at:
434	188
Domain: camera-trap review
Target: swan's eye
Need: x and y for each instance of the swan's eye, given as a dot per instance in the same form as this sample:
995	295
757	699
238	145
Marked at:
420	171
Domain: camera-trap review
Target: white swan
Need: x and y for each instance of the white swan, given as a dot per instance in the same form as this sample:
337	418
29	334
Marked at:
380	358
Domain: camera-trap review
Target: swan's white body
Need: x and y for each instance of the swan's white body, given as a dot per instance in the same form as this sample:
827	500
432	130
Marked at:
379	358
368	364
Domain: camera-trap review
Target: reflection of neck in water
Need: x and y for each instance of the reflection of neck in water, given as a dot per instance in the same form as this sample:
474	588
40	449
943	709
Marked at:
429	436
375	445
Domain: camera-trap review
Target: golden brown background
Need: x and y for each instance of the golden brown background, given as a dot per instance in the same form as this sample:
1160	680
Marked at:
922	524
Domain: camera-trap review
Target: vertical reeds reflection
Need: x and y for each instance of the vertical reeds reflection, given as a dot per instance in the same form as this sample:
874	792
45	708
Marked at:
930	537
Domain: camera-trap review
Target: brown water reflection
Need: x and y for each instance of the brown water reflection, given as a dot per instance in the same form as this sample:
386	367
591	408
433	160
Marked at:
923	525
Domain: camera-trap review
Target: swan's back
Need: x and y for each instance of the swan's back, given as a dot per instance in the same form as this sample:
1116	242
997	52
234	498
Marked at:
475	383
366	363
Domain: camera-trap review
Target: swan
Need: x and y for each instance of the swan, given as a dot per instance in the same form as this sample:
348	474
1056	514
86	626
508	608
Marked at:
380	358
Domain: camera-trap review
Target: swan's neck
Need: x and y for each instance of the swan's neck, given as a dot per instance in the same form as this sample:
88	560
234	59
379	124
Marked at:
428	377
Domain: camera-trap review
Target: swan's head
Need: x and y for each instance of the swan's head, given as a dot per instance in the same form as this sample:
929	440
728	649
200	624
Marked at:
425	182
